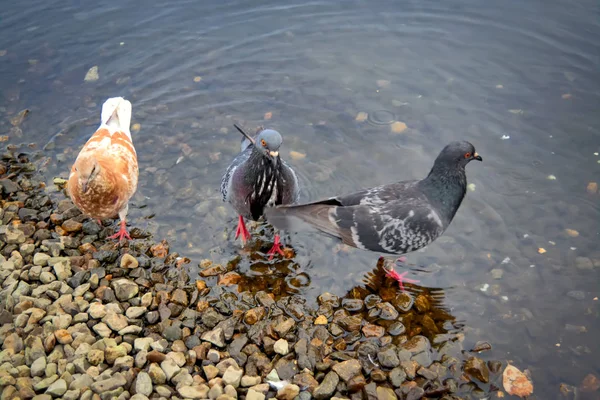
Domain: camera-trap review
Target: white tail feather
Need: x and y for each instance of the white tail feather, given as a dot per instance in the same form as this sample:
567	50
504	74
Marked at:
116	115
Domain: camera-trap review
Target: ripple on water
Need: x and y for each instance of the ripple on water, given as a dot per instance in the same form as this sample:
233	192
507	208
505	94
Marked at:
381	117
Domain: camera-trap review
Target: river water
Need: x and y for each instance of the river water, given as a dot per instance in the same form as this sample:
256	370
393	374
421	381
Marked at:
519	265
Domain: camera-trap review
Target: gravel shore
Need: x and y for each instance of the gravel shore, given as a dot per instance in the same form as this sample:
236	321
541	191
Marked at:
85	318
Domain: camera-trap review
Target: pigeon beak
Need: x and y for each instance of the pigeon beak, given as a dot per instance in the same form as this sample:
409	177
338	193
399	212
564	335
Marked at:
274	153
84	186
477	157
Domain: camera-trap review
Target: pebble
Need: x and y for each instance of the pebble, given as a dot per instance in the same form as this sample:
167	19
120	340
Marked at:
281	347
128	261
143	384
233	376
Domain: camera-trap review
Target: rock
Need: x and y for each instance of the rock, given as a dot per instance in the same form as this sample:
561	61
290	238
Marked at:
254	395
415	393
281	347
138	396
125	289
47	277
169	367
215	391
58	388
321	320
327	386
112	353
40	259
385	393
97	310
397	376
72	226
592	188
38	367
142	343
590	383
172	333
135	312
388	358
288	392
62	270
370	330
210	371
95	356
63	336
248	381
584	263
143	384
129	262
284	327
387	311
194	392
347	369
233	376
156	374
216	337
115	381
476	368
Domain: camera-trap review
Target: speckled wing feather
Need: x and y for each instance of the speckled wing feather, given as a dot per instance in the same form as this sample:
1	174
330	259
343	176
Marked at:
395	219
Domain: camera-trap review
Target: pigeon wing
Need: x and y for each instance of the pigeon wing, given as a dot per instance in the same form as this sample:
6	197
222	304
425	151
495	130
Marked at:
391	219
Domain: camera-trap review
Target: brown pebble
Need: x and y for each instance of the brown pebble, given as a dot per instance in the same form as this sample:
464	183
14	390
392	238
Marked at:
63	336
160	250
481	346
72	226
361	116
571	232
254	315
230	278
590	383
155	357
370	330
398	127
321	320
592	188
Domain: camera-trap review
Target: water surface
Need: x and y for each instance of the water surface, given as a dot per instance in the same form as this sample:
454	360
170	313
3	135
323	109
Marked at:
525	71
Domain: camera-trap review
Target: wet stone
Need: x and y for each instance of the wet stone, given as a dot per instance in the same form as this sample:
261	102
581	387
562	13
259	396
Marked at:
477	368
388	358
397	376
327	387
353	305
106	256
403	302
387	311
347	369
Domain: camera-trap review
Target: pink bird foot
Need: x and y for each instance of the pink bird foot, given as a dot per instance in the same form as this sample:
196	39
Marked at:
276	248
122	233
400	278
242	231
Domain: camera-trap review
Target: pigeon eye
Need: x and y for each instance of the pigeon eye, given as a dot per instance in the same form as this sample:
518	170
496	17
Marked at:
263	142
467	155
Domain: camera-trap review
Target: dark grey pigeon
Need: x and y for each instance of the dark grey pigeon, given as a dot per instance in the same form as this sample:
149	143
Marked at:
258	178
397	218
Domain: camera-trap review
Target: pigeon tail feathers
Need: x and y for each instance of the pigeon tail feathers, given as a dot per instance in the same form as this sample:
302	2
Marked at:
312	218
116	115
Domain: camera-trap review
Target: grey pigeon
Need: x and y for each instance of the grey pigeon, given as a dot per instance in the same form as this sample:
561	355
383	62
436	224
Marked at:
258	178
397	218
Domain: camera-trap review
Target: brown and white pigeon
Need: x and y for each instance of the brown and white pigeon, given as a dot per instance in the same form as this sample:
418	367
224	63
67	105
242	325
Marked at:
105	174
396	218
257	179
